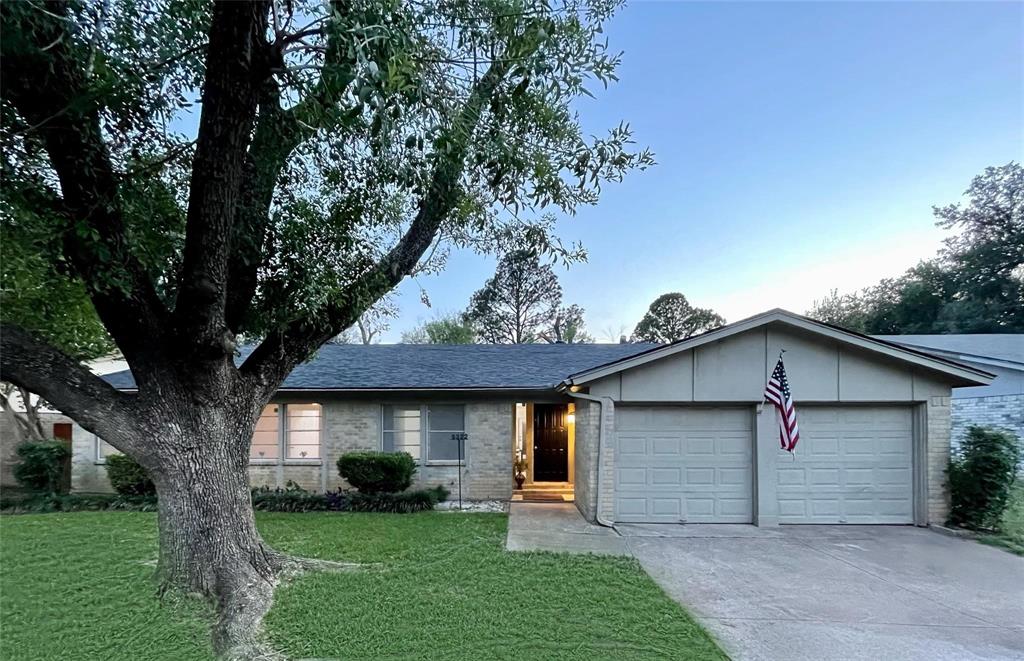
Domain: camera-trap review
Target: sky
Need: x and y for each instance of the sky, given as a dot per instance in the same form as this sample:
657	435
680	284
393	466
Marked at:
800	148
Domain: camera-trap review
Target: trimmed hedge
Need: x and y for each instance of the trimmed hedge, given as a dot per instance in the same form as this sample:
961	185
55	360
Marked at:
981	477
292	498
296	499
377	472
127	477
40	466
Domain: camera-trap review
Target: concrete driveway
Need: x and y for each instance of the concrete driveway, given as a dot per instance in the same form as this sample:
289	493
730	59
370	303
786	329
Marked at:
840	592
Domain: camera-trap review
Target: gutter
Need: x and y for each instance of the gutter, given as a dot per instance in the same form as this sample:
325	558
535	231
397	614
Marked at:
601	434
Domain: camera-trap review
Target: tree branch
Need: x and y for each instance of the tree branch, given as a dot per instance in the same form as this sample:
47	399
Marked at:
69	386
48	86
237	63
278	354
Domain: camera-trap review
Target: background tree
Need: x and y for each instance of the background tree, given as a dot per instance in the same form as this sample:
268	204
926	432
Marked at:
974	285
371	324
522	303
446	329
341	146
671	318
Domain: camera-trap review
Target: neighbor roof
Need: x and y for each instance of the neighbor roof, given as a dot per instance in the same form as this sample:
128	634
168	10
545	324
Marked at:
354	367
1008	347
965	374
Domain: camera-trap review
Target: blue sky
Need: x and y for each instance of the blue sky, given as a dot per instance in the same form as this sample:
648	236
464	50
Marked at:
800	147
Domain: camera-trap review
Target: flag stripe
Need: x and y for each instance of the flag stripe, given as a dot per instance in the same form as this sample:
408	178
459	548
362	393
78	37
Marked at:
778	393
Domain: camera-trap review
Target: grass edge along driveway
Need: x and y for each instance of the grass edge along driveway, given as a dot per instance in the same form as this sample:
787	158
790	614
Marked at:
79	586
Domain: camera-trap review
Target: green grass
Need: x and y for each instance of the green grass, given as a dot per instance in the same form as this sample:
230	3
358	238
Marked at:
1011	537
79	586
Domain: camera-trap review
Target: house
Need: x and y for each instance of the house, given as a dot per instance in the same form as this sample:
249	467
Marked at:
998	404
638	433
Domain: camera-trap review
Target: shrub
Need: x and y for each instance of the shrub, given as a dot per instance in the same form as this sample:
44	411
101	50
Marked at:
398	503
377	472
41	465
43	503
292	498
981	477
127	477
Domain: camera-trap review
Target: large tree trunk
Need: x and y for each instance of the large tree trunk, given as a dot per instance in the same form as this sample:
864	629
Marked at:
208	539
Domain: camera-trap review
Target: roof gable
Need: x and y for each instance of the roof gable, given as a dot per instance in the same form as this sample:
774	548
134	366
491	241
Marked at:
961	374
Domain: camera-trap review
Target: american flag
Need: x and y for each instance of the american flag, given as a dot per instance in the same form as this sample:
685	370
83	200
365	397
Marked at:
777	392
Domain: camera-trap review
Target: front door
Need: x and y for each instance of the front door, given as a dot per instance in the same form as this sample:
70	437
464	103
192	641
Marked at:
550	443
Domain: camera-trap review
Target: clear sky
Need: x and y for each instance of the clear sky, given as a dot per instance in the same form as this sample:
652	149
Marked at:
800	147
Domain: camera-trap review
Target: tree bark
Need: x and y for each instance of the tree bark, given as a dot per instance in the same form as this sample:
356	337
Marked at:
209	544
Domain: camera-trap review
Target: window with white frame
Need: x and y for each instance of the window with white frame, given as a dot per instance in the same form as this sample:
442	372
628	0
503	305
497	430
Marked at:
446	428
103	449
287	432
401	429
431	432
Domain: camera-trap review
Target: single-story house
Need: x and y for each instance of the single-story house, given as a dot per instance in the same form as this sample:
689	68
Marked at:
638	433
998	404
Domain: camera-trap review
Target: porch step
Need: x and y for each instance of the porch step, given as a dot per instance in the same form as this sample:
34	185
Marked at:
541	497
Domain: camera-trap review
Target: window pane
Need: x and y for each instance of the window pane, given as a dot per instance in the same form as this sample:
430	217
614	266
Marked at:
446	418
104	449
303	431
265	437
401	432
442	447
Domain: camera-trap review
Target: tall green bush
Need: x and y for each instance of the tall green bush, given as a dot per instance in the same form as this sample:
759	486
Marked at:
127	477
377	472
981	477
40	465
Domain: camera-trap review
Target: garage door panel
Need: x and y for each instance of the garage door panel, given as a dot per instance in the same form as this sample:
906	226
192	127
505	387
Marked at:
695	462
853	465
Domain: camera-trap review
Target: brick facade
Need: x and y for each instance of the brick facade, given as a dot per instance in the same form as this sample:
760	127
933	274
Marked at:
1001	411
937	414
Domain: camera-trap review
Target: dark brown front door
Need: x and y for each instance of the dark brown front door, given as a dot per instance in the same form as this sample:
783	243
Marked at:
62	431
550	443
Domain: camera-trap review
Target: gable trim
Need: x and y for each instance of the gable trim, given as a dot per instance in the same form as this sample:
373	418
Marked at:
969	375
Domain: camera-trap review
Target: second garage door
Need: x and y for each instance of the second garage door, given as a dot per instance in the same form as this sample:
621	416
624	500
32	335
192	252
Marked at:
684	464
852	465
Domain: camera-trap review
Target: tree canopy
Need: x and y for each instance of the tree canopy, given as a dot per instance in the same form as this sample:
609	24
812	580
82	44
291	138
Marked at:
522	303
671	318
974	285
446	329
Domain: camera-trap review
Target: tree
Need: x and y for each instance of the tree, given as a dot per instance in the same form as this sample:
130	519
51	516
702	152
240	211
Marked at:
446	329
522	303
339	147
671	318
974	285
370	324
568	327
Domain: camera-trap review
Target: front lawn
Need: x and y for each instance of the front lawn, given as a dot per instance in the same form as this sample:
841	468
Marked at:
79	586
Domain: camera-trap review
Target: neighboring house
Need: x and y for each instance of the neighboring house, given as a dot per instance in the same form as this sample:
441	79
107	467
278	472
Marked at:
61	427
648	433
998	404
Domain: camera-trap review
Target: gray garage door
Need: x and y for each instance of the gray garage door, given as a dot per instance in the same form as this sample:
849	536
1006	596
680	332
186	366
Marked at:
853	465
687	464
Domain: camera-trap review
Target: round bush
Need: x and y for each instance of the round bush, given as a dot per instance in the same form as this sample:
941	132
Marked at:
981	477
128	477
40	465
377	472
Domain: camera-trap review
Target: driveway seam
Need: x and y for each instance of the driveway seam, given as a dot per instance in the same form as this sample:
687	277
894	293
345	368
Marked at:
924	596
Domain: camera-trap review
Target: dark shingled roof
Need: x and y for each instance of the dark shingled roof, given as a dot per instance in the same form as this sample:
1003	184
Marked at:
441	366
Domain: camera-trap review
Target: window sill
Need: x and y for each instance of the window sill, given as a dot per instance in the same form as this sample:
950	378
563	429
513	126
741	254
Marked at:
303	462
444	462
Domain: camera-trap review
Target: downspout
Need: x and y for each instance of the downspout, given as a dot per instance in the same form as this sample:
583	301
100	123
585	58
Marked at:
601	434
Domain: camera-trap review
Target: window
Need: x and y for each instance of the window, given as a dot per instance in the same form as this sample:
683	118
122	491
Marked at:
103	449
402	430
440	428
446	433
287	431
302	433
